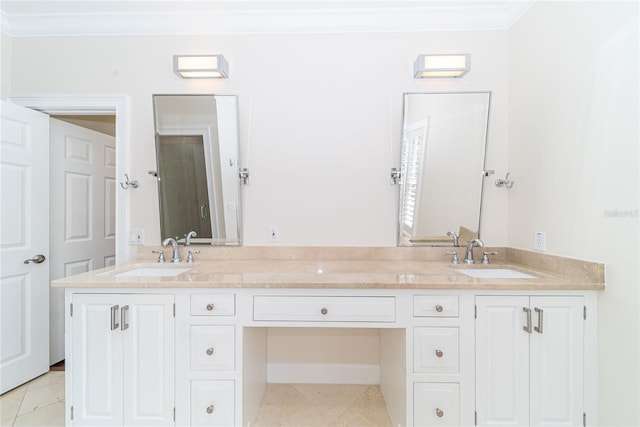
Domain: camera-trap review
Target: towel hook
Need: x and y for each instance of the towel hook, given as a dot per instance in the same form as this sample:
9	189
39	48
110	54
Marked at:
504	182
133	183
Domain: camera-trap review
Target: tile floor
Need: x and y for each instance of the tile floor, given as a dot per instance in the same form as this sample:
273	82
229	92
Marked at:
322	405
40	402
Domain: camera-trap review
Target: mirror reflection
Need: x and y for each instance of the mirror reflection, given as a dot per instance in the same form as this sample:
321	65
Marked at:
197	154
442	167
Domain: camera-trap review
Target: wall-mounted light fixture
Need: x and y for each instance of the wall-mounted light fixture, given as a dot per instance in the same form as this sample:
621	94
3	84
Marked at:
201	66
441	65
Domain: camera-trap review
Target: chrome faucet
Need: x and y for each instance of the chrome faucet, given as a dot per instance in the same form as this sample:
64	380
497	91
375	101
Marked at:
175	256
454	236
470	245
188	236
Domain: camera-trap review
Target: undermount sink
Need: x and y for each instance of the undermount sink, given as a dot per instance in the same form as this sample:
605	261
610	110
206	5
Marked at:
153	272
494	273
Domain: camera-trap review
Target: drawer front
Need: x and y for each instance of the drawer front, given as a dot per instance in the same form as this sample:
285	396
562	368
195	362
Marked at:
212	403
213	305
436	404
212	348
435	306
324	309
435	350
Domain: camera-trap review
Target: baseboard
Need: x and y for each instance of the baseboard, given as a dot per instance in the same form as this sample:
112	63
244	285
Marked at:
318	373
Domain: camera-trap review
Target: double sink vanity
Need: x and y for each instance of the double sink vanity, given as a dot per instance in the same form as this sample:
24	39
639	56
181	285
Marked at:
186	343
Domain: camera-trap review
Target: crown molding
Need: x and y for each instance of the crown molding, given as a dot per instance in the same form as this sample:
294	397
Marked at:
410	17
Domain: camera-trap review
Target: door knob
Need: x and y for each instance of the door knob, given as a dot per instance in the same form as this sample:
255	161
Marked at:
37	259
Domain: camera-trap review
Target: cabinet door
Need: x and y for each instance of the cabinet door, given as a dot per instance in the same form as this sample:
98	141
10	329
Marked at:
96	360
557	361
502	361
147	330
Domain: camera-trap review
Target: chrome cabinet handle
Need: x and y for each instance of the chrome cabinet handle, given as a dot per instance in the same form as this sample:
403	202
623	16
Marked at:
324	310
210	409
210	351
439	308
540	312
209	307
439	353
124	318
114	317
37	259
527	328
439	412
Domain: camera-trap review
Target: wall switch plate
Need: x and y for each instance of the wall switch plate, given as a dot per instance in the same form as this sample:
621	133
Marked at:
274	234
136	236
539	243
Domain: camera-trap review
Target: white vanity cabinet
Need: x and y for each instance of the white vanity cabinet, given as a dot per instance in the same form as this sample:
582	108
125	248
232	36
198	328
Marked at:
121	359
198	356
530	360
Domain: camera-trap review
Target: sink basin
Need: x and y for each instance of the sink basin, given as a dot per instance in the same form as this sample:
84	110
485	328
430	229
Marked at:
153	272
494	273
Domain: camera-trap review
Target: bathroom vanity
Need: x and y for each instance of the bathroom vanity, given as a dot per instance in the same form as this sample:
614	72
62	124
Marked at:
149	344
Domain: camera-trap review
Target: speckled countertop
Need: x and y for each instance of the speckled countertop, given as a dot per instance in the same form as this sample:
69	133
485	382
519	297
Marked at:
348	268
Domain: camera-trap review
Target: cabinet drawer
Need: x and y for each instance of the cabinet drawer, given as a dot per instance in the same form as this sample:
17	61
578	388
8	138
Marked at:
324	309
212	348
436	404
435	306
213	305
212	403
435	350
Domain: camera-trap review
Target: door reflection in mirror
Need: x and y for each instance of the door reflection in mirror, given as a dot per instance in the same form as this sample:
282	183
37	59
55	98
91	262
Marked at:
197	159
442	163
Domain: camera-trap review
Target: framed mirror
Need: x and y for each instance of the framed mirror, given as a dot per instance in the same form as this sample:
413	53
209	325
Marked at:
444	138
197	156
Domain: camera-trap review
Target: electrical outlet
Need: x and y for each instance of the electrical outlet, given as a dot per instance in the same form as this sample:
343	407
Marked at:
539	243
136	236
274	235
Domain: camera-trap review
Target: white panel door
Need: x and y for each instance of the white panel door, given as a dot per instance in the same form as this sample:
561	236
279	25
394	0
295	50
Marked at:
97	360
502	361
24	233
147	330
557	361
83	225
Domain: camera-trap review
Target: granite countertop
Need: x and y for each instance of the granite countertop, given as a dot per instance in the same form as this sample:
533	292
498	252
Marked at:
332	274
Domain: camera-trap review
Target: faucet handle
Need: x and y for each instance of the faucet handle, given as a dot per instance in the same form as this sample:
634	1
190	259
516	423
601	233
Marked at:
160	256
454	259
190	255
485	256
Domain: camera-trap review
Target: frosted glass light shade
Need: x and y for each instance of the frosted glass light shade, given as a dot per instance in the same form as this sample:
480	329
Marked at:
441	65
201	66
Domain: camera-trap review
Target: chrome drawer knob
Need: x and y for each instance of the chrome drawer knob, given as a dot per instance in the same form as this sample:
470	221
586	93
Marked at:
210	409
209	307
439	413
439	308
439	353
324	310
210	351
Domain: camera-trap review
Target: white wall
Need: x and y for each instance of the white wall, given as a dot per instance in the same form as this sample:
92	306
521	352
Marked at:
5	65
573	154
320	119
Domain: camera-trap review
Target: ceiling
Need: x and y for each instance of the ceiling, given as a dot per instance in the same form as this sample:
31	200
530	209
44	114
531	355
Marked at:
29	18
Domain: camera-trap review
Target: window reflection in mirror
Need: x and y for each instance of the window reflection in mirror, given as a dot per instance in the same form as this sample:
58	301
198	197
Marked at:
442	167
197	165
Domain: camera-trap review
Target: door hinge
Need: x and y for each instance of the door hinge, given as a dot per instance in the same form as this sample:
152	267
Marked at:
476	418
174	309
584	313
174	413
584	419
475	311
71	309
72	412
